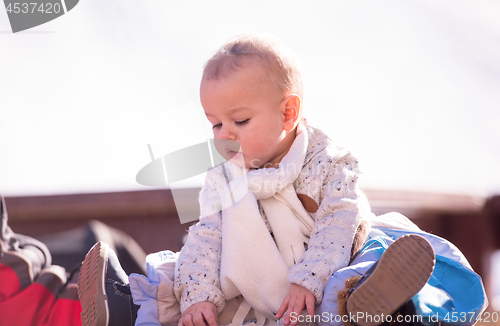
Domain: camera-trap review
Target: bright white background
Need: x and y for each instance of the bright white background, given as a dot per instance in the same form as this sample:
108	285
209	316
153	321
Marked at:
411	87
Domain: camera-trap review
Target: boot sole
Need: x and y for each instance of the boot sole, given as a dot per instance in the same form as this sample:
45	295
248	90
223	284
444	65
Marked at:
402	271
92	287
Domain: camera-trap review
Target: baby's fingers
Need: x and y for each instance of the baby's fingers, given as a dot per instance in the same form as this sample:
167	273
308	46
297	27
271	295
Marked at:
290	312
283	307
210	317
310	301
186	320
296	310
198	319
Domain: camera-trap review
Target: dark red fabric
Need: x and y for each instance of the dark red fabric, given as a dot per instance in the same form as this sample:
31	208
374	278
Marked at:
9	283
35	305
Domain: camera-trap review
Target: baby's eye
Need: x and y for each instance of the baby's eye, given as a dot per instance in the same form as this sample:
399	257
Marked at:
217	126
242	122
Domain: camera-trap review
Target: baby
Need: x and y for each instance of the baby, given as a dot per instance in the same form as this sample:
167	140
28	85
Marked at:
300	193
278	219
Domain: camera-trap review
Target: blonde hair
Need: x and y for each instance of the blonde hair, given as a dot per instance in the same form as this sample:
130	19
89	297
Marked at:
267	51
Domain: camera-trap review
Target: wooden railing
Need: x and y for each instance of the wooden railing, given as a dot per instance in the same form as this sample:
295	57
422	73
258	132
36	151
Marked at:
150	217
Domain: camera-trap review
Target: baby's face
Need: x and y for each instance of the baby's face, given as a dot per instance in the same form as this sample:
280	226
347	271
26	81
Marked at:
246	108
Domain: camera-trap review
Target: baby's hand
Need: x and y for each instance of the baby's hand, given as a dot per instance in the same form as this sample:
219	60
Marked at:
199	314
298	297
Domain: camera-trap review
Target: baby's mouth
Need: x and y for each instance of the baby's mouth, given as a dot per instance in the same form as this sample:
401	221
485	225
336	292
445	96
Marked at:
228	149
232	153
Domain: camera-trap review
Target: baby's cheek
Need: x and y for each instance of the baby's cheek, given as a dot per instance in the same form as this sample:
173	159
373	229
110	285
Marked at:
248	148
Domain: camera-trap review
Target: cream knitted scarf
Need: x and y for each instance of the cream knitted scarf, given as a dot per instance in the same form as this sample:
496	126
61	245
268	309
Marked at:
254	264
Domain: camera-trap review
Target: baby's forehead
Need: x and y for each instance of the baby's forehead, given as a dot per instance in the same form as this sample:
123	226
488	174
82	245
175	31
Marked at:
252	72
276	61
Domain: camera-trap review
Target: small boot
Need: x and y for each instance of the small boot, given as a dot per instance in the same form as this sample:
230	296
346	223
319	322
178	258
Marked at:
27	256
104	291
6	233
401	272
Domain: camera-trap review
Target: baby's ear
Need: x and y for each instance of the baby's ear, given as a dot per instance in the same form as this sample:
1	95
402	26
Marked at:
291	112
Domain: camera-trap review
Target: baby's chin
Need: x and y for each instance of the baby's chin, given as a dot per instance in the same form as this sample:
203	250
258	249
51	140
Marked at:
255	164
248	163
238	159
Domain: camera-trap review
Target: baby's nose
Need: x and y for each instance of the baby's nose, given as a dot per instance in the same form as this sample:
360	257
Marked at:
227	133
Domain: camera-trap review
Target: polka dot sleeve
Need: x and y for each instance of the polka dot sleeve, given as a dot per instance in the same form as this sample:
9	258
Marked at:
197	274
342	206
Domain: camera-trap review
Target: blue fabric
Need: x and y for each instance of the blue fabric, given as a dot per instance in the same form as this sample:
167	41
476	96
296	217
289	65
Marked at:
144	294
144	289
454	295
